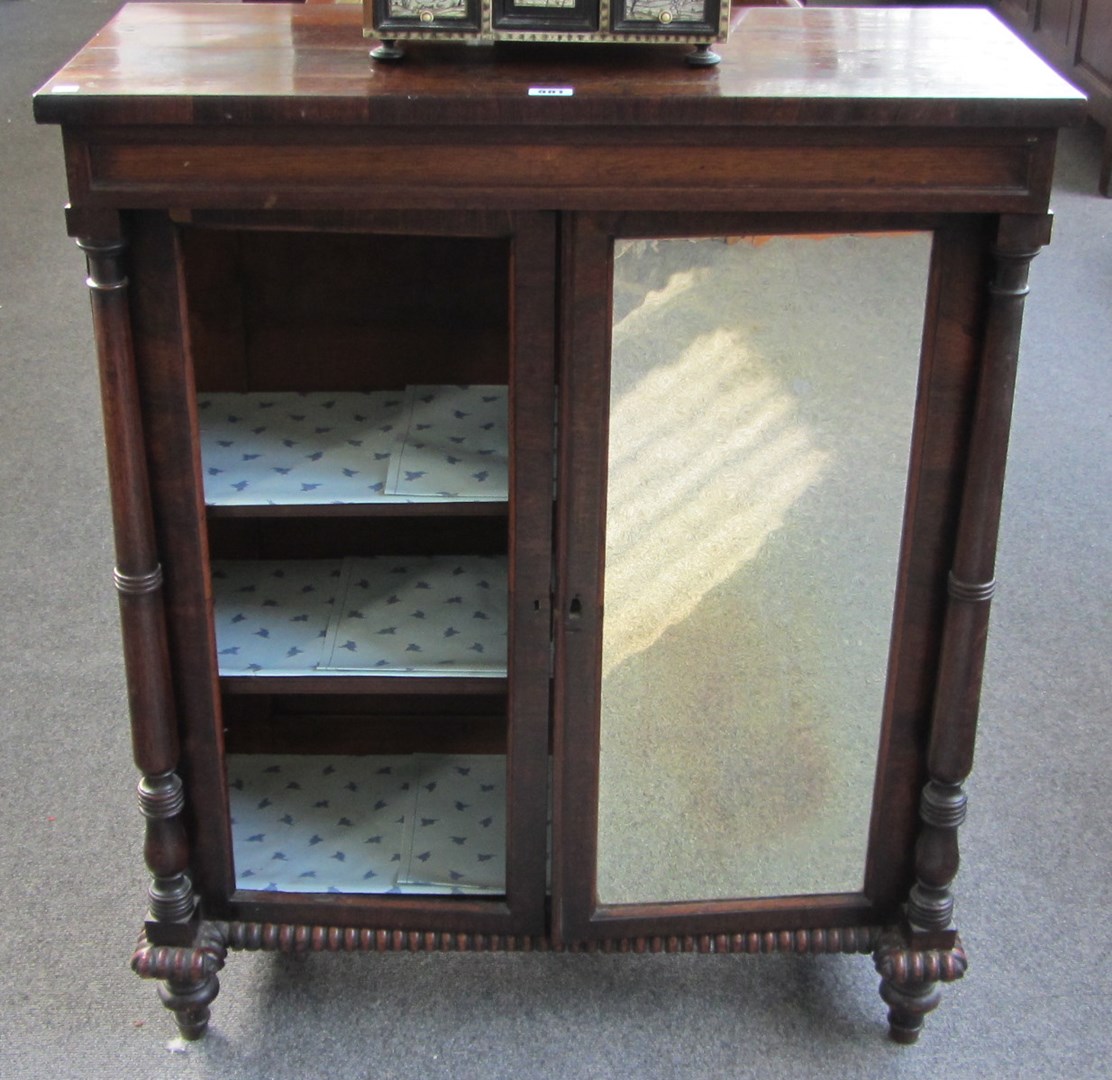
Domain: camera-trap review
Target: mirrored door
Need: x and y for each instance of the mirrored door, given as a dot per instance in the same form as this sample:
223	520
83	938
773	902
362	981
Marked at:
749	441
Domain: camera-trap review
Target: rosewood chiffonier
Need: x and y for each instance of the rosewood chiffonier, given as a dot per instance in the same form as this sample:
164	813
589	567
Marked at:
555	487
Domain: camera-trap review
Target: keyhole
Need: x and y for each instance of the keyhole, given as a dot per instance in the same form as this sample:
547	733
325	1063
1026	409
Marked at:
575	608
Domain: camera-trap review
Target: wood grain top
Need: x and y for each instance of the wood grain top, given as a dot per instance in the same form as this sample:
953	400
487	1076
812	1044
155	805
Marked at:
293	65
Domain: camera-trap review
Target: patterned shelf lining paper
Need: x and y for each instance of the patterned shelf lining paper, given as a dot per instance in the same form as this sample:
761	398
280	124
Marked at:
411	824
430	615
421	444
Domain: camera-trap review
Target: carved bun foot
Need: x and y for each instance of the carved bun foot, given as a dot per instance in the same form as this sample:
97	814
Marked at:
909	981
703	56
389	49
908	1007
189	1003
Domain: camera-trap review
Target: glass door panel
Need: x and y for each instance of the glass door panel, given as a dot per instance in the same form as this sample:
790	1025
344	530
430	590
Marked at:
761	408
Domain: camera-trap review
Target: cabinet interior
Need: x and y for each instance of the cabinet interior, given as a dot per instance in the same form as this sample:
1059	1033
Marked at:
294	328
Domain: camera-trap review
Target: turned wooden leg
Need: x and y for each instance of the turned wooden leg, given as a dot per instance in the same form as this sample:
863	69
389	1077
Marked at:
189	974
190	1004
908	1007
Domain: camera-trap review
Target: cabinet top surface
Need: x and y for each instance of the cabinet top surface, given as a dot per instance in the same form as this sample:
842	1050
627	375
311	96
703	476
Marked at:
294	65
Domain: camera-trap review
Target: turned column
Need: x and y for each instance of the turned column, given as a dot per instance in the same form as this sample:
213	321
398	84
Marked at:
171	917
933	951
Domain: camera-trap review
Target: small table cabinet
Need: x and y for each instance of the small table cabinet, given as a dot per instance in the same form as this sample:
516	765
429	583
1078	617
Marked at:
696	22
555	521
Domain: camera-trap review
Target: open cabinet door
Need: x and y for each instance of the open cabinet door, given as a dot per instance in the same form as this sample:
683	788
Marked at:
353	494
759	470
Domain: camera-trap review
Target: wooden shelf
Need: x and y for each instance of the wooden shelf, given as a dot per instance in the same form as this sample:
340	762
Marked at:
365	683
440	508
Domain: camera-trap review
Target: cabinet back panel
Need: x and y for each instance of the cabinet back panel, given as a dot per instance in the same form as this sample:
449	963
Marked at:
384	724
300	311
312	538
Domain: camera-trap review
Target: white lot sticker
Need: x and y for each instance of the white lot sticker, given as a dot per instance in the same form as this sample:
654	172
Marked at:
551	91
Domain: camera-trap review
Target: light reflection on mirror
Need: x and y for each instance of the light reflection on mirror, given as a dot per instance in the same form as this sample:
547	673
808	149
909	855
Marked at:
762	396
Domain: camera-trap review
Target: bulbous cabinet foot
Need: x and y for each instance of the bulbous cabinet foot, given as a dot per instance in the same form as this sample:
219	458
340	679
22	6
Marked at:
910	981
189	1003
189	975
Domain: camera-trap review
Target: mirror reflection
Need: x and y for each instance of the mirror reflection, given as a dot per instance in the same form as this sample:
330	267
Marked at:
762	399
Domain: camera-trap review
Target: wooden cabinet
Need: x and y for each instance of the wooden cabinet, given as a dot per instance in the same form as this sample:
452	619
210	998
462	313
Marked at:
1077	39
555	523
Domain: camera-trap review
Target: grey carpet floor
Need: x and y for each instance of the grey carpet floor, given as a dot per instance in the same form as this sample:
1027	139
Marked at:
1032	895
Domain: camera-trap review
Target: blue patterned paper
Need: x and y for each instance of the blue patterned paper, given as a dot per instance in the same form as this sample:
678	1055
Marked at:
455	443
274	617
298	448
457	835
384	615
368	824
430	615
421	444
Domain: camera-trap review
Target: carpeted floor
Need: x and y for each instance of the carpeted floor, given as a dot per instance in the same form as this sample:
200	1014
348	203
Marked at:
1032	896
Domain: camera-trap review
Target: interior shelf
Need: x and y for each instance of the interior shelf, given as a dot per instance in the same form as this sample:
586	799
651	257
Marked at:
402	823
426	443
428	616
